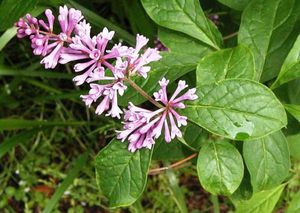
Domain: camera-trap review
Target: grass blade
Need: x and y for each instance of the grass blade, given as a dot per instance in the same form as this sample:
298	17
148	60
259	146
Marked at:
47	74
78	164
11	142
13	124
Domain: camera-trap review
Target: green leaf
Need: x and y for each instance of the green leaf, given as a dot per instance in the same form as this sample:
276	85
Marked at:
291	66
172	66
269	28
122	175
261	202
294	145
220	167
78	165
184	16
181	43
236	62
12	10
238	109
234	4
294	206
268	160
294	110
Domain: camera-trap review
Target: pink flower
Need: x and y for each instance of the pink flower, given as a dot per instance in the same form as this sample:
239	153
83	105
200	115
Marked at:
43	41
142	126
136	61
109	94
93	52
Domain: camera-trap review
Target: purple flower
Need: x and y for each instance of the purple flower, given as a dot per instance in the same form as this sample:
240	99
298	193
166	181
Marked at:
142	126
109	94
136	61
43	41
92	51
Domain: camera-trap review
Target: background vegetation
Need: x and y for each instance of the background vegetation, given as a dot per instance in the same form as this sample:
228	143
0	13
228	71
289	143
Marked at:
48	139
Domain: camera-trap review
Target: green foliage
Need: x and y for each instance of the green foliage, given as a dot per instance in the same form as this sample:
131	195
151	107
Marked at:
236	62
185	16
263	201
237	109
220	167
269	28
291	66
267	160
121	174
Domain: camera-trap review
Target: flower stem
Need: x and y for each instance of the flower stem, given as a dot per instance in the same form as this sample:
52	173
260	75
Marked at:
174	165
142	92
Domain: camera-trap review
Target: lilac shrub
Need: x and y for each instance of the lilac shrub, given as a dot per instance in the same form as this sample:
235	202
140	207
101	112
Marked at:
96	64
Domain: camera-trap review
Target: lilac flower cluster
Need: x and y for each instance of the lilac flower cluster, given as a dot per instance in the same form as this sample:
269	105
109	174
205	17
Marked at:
142	125
97	64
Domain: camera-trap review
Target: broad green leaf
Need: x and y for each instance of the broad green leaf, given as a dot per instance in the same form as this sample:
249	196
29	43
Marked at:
235	4
181	43
122	175
185	16
261	202
294	206
237	109
269	28
236	62
220	167
78	165
12	10
172	66
268	160
294	145
291	66
294	110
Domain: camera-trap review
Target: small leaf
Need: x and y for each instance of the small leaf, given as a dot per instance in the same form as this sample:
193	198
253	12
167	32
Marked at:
184	16
220	167
234	4
269	28
236	62
122	175
238	109
294	110
261	202
181	43
268	160
291	66
172	66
